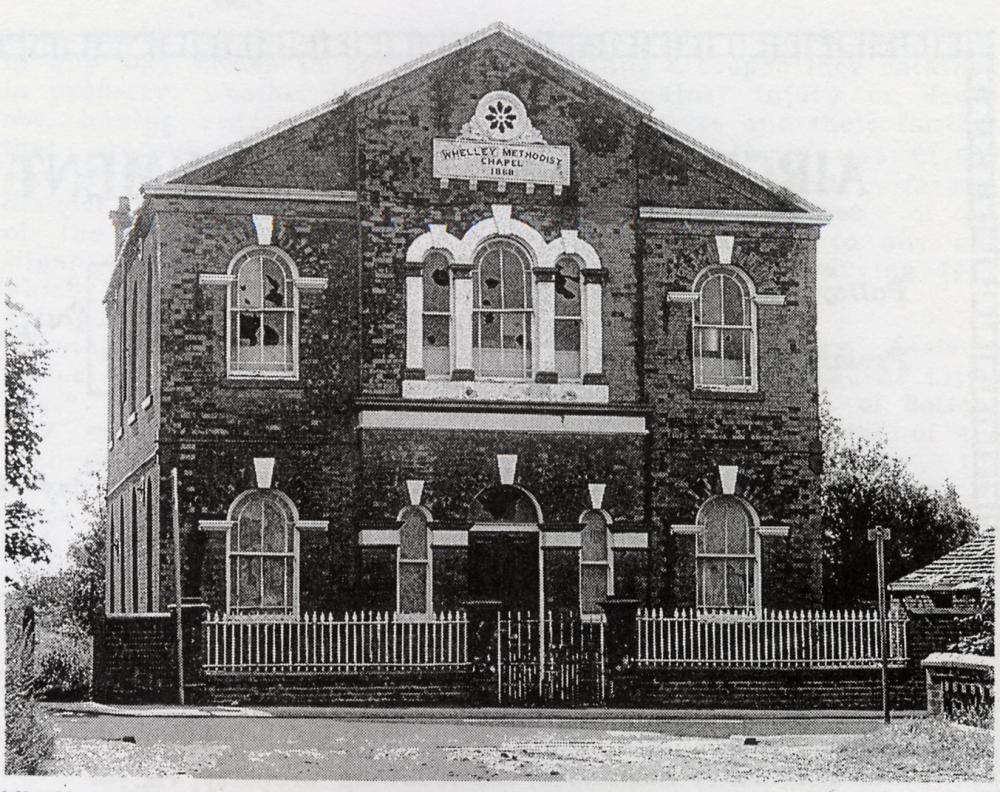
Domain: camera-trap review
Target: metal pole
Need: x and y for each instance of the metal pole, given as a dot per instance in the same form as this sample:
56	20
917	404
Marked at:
880	534
177	587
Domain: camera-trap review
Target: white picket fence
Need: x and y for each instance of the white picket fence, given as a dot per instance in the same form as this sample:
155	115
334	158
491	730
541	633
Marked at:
321	643
782	639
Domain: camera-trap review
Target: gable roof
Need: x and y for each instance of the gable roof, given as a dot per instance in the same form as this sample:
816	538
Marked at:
501	28
962	568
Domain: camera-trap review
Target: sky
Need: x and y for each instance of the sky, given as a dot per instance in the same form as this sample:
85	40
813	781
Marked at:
882	114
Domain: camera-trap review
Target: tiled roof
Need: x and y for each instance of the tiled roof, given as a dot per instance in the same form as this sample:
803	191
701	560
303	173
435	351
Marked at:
963	567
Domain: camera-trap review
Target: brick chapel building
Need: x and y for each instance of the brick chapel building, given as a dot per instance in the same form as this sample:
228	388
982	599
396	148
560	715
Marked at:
482	328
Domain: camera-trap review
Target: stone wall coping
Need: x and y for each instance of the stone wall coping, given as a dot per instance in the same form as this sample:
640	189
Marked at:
956	660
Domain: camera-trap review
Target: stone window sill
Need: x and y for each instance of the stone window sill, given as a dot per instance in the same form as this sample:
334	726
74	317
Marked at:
147	402
701	394
132	417
262	384
508	391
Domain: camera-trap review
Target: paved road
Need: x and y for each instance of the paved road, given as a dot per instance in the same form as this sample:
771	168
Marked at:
425	749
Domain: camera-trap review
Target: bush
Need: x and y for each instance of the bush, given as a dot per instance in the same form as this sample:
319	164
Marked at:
64	665
29	735
978	714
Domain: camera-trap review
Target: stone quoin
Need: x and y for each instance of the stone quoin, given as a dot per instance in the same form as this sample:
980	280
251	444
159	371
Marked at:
440	313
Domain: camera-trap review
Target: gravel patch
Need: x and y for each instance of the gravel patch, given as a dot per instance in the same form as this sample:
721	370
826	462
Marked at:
93	758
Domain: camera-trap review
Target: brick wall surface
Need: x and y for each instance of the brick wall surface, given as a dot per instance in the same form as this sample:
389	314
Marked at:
135	659
370	689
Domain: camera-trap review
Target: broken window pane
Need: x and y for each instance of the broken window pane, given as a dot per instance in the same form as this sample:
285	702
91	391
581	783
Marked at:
437	283
567	287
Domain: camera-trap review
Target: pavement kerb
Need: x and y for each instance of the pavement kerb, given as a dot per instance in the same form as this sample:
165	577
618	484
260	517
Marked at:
462	714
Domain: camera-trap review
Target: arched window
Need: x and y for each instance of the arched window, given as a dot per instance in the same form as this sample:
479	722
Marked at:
595	563
437	314
262	556
726	555
504	503
413	579
263	316
501	317
724	339
568	318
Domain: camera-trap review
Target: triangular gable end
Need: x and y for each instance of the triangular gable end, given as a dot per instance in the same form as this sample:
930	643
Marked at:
322	122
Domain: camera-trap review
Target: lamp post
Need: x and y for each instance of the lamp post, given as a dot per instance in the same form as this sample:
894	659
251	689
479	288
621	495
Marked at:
879	534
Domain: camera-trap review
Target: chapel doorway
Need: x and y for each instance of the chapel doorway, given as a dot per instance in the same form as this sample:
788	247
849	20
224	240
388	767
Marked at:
504	549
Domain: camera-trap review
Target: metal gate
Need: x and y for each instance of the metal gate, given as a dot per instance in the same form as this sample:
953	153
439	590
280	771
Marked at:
560	661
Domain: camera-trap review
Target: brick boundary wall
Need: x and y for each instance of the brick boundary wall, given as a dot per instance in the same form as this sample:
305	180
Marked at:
455	688
764	688
134	659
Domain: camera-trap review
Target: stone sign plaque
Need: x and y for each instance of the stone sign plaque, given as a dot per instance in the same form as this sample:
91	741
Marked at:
500	144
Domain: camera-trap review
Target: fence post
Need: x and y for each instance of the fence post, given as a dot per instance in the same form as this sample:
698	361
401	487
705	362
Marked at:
482	629
192	616
620	644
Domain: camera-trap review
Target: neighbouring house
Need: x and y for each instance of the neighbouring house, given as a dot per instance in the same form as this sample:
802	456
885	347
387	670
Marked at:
953	581
480	330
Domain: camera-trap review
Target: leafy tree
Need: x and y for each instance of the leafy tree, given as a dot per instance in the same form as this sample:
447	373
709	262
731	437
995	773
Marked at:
86	555
864	485
26	363
68	599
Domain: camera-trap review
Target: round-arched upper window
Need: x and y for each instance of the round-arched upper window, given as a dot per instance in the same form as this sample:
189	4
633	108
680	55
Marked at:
501	321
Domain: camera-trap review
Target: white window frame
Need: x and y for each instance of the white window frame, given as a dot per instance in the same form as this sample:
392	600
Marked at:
531	311
428	563
292	279
581	320
291	515
609	564
542	256
450	314
753	606
749	295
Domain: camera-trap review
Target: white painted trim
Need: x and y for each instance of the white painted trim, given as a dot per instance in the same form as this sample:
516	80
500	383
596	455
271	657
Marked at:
505	528
249	193
406	68
734	215
311	284
313	525
732	164
414	321
264	226
501	390
685	530
560	539
632	540
506	421
769	299
215	279
682	297
215	525
772	530
441	538
379	536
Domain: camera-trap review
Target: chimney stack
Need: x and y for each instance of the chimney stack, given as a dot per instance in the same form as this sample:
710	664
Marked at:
121	219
